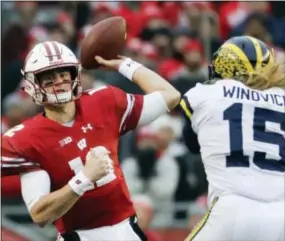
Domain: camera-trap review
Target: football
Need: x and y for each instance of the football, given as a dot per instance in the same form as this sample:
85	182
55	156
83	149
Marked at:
106	39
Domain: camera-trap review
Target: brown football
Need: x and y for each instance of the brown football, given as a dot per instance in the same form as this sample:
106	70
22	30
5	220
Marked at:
106	39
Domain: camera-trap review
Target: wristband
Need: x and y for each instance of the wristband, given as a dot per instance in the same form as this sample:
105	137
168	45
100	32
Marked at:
80	183
128	67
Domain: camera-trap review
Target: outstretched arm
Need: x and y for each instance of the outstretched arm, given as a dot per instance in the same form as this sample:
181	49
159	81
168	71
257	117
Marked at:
151	82
145	78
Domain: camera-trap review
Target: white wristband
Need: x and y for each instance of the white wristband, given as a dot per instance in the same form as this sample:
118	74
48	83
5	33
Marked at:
80	183
128	68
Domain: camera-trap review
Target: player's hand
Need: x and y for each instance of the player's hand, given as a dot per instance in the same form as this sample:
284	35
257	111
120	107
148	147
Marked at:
112	64
98	164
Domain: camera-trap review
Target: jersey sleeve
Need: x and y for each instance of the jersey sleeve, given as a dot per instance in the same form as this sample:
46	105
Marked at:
34	186
14	161
189	103
11	186
192	99
190	138
128	109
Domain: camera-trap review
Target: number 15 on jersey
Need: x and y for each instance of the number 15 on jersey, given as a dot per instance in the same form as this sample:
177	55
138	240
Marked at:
237	157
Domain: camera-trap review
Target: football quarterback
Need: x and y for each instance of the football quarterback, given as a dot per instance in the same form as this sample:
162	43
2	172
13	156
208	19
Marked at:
67	156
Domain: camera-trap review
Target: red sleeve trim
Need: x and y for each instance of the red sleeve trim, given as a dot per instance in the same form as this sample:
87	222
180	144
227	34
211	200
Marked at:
132	114
15	171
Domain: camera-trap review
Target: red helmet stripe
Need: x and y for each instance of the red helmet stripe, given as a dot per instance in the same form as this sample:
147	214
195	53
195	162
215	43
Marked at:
57	51
48	50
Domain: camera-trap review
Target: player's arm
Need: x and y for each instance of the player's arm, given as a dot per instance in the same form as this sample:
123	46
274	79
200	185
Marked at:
34	183
47	207
151	82
132	110
145	78
189	136
44	206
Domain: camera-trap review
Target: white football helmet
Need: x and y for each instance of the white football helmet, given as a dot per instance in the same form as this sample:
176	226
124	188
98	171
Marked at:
46	56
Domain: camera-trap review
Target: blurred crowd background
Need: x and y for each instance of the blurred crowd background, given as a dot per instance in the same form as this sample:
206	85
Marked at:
175	39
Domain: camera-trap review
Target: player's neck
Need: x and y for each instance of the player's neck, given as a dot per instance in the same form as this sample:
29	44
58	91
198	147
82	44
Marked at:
61	114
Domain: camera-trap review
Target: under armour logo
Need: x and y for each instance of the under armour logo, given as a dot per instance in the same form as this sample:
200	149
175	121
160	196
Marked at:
82	144
86	128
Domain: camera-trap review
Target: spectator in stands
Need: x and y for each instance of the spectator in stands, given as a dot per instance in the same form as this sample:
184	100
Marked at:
193	17
161	38
36	35
265	28
16	109
142	52
195	60
100	11
169	131
233	13
181	38
195	67
196	211
156	29
150	55
170	67
66	27
57	33
89	80
256	25
131	11
151	172
14	40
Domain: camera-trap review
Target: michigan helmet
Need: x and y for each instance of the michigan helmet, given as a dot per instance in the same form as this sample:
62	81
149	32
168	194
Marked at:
47	56
241	56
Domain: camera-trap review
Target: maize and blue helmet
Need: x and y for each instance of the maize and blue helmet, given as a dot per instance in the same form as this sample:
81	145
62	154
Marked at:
241	56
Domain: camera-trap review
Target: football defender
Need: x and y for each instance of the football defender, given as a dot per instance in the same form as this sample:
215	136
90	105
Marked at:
68	156
237	122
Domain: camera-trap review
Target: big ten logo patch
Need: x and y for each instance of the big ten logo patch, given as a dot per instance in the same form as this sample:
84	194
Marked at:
65	141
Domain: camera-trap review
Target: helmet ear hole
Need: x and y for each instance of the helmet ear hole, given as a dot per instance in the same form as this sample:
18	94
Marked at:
73	72
266	60
38	79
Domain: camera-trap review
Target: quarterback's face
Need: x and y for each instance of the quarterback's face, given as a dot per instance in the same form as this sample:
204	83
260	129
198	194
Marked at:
56	81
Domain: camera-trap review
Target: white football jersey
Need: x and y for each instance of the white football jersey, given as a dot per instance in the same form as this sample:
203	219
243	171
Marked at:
241	132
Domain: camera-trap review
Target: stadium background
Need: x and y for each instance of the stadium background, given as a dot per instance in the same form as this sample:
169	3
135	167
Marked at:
176	39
